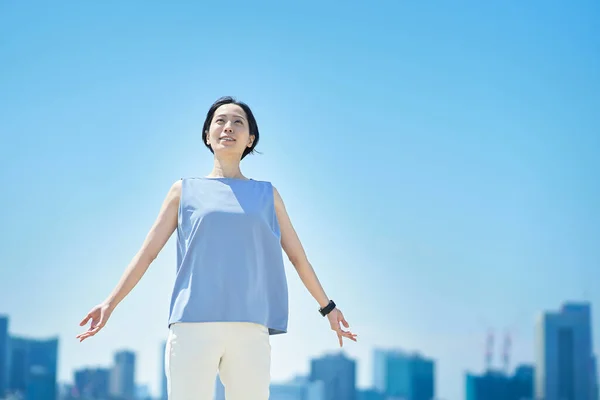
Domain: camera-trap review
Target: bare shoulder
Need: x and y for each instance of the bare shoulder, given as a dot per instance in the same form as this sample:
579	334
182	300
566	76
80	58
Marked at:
175	191
277	199
176	186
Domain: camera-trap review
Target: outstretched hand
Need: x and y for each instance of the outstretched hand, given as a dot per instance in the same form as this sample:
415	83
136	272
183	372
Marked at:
99	315
336	320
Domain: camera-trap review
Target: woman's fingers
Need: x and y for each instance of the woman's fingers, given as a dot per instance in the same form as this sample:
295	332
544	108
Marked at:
85	320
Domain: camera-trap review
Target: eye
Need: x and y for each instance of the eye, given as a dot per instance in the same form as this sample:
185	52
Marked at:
219	120
239	121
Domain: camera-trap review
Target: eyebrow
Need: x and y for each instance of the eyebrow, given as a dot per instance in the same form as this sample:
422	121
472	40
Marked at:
235	115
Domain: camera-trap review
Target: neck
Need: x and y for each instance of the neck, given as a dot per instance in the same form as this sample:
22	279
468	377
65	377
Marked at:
226	168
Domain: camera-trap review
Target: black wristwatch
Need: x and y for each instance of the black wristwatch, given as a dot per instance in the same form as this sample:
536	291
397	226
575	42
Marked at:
327	309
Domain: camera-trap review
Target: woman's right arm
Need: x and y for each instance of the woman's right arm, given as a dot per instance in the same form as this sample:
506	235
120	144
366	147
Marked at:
160	232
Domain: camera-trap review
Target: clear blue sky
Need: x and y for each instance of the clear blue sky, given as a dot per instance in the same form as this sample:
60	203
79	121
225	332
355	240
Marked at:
440	163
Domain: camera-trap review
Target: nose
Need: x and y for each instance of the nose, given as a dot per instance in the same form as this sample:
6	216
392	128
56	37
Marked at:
228	127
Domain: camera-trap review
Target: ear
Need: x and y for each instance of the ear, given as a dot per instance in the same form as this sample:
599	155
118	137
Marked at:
251	140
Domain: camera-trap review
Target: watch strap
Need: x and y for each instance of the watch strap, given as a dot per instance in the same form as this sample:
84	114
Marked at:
328	308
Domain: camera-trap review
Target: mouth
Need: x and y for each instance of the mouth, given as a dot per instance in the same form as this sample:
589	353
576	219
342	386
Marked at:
227	139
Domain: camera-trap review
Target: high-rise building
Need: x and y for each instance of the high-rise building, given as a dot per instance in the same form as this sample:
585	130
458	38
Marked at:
564	354
300	388
4	354
286	391
122	379
404	375
523	382
391	373
370	394
92	383
32	368
493	385
595	393
315	390
142	392
338	374
423	378
67	391
496	385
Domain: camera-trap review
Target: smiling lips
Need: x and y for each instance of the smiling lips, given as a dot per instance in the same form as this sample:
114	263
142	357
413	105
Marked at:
227	139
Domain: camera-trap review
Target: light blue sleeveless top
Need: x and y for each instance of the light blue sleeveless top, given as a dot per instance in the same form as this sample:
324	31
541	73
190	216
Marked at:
229	255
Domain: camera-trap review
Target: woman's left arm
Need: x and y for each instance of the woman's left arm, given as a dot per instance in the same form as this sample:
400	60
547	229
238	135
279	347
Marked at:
295	252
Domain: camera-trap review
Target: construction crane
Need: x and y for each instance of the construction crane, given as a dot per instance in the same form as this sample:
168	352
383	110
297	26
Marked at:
506	351
489	350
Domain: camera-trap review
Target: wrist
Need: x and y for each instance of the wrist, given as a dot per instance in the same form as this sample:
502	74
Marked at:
324	311
109	304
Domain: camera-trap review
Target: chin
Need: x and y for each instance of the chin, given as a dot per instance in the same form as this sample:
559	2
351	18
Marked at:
229	151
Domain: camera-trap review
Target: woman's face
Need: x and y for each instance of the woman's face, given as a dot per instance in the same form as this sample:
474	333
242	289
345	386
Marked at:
229	131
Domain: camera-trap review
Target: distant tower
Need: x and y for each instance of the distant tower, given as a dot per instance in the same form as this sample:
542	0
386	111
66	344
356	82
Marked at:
506	352
489	350
122	379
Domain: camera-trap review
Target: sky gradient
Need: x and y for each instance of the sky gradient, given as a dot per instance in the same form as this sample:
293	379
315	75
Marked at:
440	164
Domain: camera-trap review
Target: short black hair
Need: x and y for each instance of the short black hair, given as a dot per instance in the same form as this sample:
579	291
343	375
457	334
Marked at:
253	126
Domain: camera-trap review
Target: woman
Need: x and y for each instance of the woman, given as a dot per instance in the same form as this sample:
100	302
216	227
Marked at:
230	291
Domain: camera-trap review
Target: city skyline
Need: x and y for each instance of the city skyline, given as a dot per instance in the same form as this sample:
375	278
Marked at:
439	164
337	368
119	379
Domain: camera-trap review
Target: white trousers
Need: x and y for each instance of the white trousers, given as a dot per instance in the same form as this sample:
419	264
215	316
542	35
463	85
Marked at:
239	351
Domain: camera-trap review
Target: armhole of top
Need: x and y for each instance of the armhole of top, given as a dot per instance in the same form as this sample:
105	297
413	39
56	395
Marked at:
180	203
276	225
